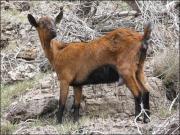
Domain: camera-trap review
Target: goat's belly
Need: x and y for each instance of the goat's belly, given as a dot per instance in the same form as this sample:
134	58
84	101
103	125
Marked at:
104	74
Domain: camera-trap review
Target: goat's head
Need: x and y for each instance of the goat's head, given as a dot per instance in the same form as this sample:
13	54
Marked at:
46	26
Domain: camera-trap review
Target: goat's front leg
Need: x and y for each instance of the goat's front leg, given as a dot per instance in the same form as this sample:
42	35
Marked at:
77	101
64	88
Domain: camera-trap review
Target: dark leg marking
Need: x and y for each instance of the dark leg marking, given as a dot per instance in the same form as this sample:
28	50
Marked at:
59	113
76	112
77	101
138	100
145	99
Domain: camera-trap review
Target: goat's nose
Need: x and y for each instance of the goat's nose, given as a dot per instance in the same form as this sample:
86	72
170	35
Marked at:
54	34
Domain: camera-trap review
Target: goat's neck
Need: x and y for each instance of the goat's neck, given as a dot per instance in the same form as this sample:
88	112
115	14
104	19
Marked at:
45	43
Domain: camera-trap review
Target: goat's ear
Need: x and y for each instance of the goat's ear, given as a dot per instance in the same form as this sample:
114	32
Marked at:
59	16
32	20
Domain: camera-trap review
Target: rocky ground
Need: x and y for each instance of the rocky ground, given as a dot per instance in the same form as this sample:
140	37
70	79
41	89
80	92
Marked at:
30	90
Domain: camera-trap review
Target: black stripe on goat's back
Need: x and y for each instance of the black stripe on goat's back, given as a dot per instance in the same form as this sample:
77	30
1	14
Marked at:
103	74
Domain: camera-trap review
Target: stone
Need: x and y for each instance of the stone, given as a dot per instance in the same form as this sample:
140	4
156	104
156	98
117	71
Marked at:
21	72
15	75
6	6
46	82
119	99
45	66
22	6
28	53
32	105
4	43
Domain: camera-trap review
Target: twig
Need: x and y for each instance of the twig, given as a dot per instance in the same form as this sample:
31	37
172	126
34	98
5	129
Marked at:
104	20
175	130
170	108
142	111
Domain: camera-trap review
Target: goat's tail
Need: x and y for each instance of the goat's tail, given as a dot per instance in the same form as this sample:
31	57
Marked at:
146	36
144	44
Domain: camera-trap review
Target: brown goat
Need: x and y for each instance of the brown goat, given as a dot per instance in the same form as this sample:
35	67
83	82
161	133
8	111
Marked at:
120	54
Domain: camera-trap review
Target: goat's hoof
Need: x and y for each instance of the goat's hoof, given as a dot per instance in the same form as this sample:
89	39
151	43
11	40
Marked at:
59	122
140	118
146	120
59	118
76	119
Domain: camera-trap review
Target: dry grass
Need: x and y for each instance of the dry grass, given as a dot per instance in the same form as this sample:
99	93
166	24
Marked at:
10	92
164	41
166	65
68	126
7	128
13	14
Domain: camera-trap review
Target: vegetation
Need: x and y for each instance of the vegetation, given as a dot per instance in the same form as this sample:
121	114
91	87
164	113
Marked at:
7	128
166	65
102	18
10	92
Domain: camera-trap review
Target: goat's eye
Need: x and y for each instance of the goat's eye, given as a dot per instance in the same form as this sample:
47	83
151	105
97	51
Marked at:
41	24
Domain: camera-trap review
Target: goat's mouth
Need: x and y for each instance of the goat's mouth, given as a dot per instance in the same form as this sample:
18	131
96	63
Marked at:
54	34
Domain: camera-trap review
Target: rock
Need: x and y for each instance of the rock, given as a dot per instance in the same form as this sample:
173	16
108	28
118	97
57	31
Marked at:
33	104
28	53
110	98
45	84
6	6
109	125
25	6
98	99
8	32
45	66
47	130
4	43
6	127
26	71
156	86
22	6
23	34
113	99
47	81
15	76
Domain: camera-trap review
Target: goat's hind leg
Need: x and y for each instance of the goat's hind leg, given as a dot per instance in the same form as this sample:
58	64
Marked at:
145	95
64	88
77	101
145	99
138	101
132	84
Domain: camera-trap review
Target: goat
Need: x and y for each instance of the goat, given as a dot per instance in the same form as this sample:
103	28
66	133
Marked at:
118	55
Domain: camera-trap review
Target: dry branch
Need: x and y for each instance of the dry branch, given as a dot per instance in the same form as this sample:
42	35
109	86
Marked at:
132	4
103	18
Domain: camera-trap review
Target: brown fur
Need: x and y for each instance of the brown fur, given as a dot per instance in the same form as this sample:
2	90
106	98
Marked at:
74	61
